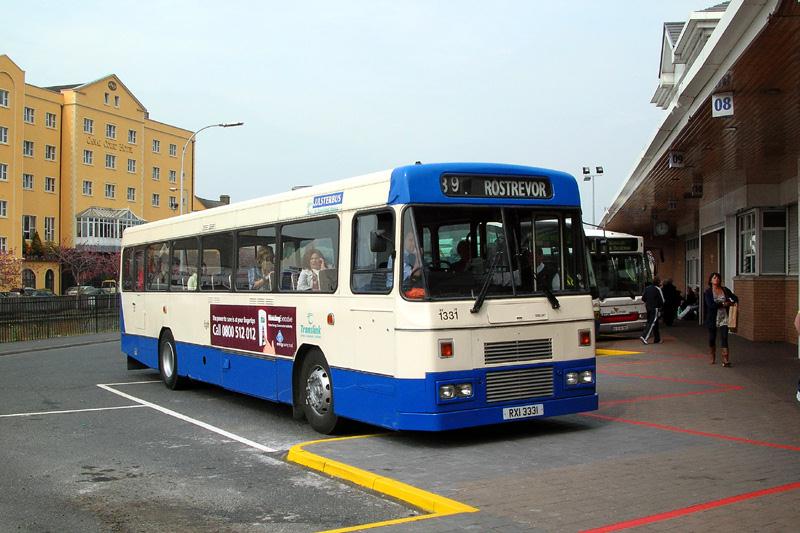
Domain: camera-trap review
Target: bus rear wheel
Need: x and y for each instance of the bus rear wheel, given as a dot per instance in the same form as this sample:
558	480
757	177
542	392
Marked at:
168	362
317	393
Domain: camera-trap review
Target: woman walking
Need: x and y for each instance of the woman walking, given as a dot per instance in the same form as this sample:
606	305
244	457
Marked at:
717	299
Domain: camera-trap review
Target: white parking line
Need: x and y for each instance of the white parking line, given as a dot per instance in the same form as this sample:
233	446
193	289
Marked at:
185	418
71	411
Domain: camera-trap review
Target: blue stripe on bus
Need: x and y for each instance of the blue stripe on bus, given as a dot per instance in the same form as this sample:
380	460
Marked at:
402	404
420	184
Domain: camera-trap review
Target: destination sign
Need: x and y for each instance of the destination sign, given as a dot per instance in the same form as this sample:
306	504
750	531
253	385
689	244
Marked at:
614	245
478	186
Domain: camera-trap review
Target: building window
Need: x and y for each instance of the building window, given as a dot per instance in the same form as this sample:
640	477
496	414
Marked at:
156	173
28	115
131	136
50	120
3	244
28	226
27	148
156	199
111	131
3	172
27	182
3	135
156	145
88	157
131	194
172	176
173	150
131	165
111	190
111	161
116	100
87	188
773	241
49	184
3	209
50	229
3	98
105	98
50	152
746	230
28	279
88	126
173	203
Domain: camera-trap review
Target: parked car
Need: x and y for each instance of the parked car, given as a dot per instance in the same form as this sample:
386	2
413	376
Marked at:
83	290
109	286
37	293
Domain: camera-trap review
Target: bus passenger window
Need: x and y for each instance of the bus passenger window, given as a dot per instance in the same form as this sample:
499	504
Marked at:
216	262
308	255
185	255
256	260
157	271
373	247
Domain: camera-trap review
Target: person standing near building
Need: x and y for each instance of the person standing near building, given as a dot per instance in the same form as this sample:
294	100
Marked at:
654	301
716	301
672	298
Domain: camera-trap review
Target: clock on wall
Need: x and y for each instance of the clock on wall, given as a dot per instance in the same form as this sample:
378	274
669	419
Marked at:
661	229
112	85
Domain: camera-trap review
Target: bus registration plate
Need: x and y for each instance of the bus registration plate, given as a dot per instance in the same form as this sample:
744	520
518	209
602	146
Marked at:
523	411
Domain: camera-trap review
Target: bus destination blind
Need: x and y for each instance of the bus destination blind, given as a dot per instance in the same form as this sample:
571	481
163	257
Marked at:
482	186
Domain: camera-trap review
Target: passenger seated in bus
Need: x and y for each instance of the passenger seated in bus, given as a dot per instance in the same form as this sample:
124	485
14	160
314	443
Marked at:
259	277
464	257
309	276
191	283
545	274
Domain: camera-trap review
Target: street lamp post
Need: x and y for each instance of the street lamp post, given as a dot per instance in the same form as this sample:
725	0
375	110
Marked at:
183	152
588	176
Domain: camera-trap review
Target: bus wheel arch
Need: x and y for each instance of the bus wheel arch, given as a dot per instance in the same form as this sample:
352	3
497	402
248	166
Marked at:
314	390
168	360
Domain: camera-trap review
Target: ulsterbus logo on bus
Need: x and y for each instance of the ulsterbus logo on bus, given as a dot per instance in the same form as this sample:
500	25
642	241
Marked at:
326	202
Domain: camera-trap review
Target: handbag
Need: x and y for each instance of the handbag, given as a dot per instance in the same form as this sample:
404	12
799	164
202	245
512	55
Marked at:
733	317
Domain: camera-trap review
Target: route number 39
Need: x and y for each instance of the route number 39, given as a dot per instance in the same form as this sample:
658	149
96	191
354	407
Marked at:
722	105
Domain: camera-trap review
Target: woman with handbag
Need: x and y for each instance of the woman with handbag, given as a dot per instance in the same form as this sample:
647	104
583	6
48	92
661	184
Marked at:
717	300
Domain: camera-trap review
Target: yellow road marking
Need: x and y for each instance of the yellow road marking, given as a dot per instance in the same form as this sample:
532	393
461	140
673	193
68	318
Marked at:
427	501
603	352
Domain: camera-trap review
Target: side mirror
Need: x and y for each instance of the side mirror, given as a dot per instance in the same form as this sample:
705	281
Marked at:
378	241
595	292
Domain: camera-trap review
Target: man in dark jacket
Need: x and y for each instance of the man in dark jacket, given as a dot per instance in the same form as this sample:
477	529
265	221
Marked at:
654	301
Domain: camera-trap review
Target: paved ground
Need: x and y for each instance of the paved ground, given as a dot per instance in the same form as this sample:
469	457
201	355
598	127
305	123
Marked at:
677	444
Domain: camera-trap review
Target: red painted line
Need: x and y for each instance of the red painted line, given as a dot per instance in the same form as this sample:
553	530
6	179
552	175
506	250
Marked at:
693	509
666	396
695	432
672	380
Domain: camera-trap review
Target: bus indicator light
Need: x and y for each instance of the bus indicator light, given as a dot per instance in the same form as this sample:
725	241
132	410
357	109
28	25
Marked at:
446	348
331	319
585	337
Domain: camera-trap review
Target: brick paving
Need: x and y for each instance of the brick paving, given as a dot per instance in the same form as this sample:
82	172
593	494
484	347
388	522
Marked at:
677	445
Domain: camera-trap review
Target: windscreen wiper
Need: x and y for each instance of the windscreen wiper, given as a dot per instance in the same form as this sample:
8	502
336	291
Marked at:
551	297
487	280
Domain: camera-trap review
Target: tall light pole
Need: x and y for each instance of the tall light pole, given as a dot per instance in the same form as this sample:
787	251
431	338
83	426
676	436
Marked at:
183	152
588	176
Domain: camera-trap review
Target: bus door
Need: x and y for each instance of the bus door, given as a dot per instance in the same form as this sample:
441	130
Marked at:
133	307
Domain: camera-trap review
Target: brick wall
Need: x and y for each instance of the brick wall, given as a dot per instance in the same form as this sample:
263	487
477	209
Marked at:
767	308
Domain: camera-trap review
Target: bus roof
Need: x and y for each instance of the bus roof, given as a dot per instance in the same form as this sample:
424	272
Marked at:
408	184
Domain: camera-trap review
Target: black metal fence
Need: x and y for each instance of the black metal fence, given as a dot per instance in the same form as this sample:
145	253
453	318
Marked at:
28	318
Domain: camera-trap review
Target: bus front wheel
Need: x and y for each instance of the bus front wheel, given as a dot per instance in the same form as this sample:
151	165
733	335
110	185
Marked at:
317	393
168	362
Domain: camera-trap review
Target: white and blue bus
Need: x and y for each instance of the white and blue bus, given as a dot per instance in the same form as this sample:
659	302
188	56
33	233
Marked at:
622	272
427	297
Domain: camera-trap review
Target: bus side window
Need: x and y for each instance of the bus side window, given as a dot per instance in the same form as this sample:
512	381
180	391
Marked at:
255	267
217	262
373	246
157	272
309	255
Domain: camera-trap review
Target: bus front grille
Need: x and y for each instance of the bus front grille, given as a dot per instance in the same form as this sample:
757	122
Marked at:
508	385
517	351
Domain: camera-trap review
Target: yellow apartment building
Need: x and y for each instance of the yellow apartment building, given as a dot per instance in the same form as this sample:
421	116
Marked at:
78	164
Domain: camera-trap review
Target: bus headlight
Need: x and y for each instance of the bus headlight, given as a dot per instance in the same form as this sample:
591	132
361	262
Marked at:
572	378
455	390
587	377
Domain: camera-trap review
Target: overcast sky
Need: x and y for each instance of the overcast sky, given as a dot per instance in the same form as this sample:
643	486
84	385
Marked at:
333	89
